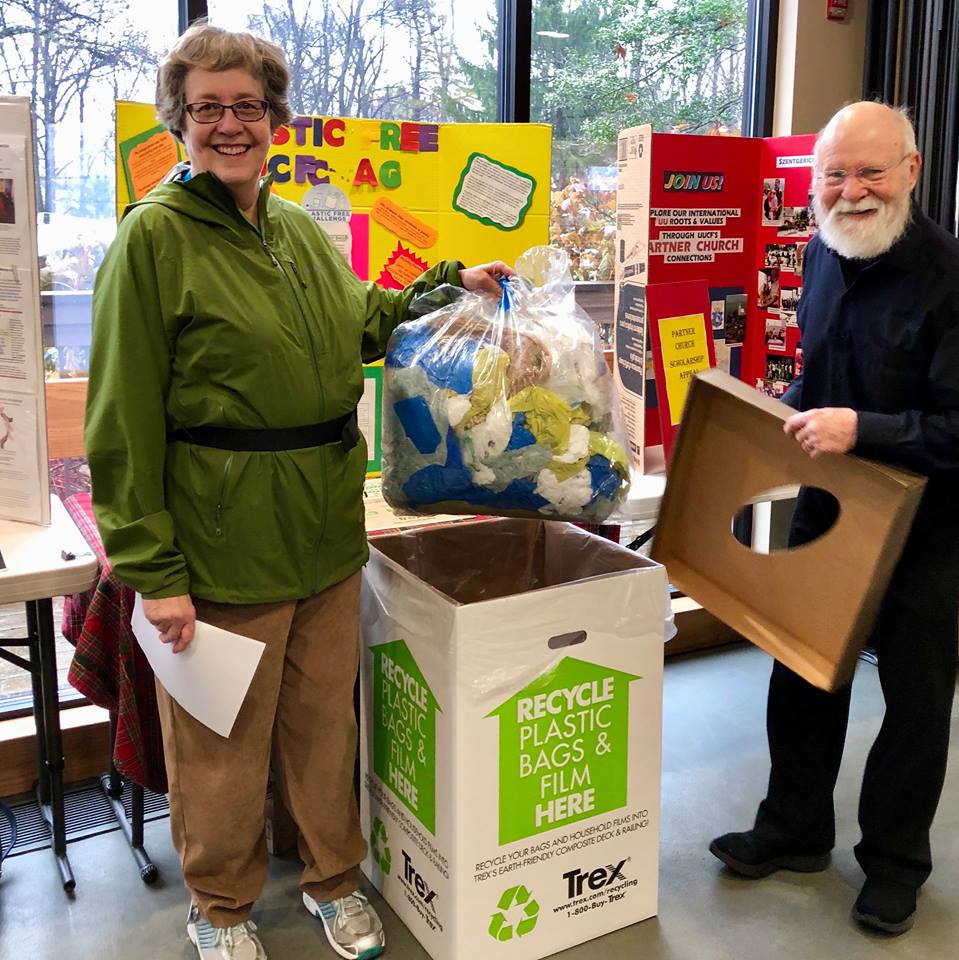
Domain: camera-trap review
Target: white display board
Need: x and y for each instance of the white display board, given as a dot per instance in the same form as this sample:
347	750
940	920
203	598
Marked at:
631	343
24	481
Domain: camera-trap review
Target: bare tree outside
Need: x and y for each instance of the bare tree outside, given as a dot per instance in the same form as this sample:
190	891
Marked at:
369	58
55	51
597	66
335	50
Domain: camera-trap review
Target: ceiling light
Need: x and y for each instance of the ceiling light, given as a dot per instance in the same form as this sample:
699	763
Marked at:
552	33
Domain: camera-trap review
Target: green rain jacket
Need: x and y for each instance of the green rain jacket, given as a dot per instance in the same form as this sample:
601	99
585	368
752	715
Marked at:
200	318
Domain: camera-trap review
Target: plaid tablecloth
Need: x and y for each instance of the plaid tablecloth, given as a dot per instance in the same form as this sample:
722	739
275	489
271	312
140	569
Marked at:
109	667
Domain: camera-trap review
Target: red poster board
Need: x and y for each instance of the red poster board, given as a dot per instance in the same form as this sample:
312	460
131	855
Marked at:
715	210
773	347
702	227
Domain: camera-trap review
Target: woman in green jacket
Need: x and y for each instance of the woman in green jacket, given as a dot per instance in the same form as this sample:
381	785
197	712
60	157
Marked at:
228	340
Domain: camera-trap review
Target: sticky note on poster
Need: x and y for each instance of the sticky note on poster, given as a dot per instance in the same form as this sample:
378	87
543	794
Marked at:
685	352
494	193
147	158
401	222
402	268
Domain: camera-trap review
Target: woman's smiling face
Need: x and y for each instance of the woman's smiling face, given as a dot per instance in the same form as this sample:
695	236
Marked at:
231	149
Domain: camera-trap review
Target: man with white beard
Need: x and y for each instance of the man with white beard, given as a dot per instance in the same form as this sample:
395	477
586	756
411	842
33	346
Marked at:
879	316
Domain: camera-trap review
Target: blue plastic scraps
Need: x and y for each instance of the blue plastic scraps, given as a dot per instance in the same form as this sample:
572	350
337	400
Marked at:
437	484
452	480
448	362
521	436
606	481
414	414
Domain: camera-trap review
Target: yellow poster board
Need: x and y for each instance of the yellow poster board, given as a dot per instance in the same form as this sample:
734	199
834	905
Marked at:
394	197
145	151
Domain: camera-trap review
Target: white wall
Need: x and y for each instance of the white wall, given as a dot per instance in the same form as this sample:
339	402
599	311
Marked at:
819	64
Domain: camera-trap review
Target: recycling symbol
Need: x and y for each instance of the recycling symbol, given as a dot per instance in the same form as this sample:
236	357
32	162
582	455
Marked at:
516	916
380	846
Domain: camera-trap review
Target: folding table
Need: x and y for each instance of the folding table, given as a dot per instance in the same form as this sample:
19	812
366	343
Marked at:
39	563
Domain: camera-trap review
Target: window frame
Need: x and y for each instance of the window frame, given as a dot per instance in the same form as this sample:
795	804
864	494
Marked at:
759	88
514	66
190	11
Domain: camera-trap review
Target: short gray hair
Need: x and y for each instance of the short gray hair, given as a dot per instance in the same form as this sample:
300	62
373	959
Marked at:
908	130
213	48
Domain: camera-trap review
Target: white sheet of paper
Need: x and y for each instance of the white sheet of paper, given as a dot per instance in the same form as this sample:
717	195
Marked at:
210	678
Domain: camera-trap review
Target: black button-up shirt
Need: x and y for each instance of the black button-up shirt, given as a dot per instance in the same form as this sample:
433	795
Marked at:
882	337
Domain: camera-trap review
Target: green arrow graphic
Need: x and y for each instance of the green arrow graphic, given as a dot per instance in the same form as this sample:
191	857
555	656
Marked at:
564	748
404	730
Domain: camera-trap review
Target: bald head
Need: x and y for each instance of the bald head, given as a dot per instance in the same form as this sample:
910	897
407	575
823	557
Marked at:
866	166
868	126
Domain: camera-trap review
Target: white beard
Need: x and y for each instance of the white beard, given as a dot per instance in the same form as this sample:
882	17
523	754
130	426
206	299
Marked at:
865	239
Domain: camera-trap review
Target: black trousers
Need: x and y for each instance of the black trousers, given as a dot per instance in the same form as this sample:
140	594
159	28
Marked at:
915	641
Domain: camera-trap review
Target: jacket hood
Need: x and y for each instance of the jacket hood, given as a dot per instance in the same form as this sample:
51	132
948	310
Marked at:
204	198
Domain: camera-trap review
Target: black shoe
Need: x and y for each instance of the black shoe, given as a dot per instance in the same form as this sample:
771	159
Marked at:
753	856
885	905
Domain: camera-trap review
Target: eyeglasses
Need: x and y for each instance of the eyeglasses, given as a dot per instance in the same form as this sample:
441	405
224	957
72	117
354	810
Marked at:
249	111
836	178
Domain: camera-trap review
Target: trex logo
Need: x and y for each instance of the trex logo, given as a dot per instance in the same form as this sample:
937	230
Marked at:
416	881
594	879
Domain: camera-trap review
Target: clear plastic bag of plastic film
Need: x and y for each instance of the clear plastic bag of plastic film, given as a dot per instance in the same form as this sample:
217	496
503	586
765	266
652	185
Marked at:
504	408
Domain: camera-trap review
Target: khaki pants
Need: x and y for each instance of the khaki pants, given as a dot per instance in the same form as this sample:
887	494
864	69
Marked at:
301	704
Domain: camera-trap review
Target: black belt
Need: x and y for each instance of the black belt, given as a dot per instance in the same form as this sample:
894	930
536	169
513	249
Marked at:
343	430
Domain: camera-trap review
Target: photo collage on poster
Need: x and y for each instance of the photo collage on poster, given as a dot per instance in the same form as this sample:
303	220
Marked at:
786	228
728	313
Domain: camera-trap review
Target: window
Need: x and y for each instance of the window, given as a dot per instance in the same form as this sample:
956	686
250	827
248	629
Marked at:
430	60
601	65
597	66
15	682
76	57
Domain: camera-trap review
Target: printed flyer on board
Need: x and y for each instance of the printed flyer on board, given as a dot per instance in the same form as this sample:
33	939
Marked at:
18	325
632	246
21	492
24	482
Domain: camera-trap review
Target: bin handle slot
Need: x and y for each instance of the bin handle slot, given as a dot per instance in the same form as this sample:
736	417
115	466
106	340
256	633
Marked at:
567	639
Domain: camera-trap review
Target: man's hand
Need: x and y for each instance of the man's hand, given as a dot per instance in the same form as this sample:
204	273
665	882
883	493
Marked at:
485	278
824	430
174	617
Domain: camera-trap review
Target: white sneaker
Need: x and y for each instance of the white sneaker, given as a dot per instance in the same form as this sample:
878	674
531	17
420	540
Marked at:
239	942
351	924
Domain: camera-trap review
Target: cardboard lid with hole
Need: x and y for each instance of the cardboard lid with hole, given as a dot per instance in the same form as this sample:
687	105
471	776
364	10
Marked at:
811	607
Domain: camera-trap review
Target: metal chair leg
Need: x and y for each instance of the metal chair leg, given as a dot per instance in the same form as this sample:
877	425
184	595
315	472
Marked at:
132	828
112	785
